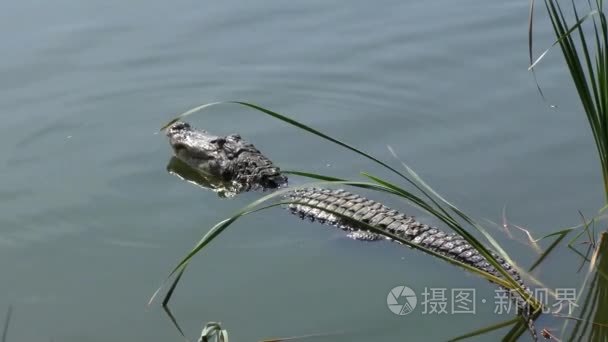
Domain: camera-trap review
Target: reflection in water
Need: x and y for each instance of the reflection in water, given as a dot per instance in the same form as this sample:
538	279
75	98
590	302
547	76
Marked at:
182	170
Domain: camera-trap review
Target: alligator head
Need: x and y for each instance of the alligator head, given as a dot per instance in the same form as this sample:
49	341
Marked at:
228	158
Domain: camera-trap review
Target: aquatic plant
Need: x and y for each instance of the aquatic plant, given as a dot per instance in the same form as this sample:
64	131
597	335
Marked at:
583	40
586	57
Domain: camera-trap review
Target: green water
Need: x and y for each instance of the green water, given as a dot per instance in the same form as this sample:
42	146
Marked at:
91	222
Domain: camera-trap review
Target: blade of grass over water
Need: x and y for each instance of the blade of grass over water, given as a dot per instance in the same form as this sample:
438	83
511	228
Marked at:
549	249
561	38
168	297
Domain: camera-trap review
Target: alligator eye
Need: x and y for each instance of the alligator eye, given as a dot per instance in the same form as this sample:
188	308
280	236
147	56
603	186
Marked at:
179	125
219	141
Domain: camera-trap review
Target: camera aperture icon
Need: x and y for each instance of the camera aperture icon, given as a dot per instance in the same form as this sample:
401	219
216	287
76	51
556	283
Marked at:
401	300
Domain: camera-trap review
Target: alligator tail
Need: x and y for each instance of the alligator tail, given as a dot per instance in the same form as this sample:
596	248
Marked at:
310	202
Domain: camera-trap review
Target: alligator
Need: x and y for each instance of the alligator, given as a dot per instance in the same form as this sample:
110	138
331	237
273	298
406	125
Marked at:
228	158
234	161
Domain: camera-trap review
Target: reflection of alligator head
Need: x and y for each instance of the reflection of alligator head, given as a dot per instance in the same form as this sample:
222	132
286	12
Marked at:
227	159
182	170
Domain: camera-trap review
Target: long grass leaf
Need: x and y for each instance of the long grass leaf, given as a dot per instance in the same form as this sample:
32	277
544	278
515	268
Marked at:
564	36
167	298
549	249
